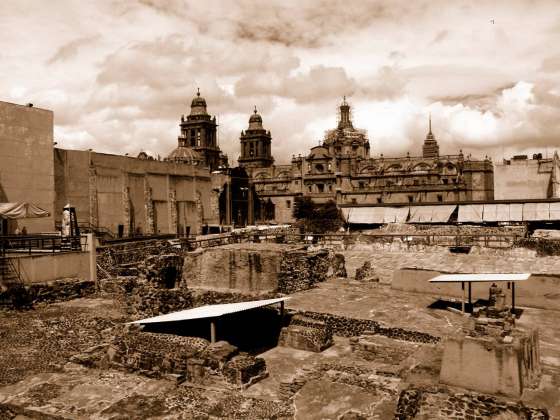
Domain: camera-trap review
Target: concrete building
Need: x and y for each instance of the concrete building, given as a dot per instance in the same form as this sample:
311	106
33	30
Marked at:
134	196
26	163
341	169
143	196
523	178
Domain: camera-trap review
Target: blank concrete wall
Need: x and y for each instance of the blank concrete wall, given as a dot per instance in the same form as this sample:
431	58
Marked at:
26	161
43	268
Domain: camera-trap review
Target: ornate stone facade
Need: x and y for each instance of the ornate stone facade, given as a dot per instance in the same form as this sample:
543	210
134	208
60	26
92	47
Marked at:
198	143
341	169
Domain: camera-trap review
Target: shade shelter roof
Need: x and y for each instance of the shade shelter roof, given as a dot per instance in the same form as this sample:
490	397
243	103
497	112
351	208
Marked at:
210	311
480	278
488	277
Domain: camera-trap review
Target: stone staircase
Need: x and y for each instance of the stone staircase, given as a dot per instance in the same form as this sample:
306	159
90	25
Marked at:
8	275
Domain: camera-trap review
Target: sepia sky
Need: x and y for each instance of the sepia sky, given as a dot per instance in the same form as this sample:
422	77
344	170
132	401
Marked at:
119	74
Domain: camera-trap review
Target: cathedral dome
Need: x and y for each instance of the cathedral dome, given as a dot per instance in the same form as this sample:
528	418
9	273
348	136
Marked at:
183	154
198	100
198	105
255	121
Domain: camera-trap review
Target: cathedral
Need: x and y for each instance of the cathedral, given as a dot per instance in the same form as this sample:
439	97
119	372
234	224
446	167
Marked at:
341	169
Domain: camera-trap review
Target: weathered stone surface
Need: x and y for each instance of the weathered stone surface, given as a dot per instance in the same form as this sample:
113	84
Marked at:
366	273
306	334
436	402
264	268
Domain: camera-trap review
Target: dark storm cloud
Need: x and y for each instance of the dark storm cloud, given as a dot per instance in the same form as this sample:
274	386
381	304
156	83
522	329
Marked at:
482	101
71	49
310	24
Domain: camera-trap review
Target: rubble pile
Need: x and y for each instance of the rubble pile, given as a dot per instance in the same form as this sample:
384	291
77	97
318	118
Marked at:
366	273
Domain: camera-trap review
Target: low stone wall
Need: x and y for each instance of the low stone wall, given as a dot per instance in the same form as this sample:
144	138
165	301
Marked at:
142	299
387	258
306	334
191	358
370	346
352	327
439	402
112	258
21	296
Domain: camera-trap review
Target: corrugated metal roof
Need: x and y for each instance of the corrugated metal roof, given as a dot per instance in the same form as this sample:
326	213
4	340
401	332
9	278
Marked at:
210	311
486	277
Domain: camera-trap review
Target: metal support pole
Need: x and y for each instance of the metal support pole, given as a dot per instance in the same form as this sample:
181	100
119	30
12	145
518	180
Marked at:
463	300
213	331
512	297
470	293
92	258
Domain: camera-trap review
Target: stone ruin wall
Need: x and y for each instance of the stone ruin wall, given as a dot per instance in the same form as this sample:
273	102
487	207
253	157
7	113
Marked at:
490	366
353	327
181	358
385	259
438	402
266	268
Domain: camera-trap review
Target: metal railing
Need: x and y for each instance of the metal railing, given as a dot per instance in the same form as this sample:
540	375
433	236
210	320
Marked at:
30	244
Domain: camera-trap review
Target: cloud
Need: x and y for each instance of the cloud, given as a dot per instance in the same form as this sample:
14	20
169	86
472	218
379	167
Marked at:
551	64
119	87
71	49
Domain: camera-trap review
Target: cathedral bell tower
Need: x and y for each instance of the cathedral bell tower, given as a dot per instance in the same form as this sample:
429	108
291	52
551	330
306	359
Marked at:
198	131
255	145
430	149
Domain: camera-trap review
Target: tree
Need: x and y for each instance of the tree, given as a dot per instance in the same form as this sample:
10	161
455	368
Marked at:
303	208
317	218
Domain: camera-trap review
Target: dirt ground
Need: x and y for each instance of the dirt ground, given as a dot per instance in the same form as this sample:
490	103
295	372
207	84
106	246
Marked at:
37	345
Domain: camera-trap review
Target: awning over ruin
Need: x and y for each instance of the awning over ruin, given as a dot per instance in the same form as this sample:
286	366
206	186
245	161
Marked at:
431	214
210	311
21	211
470	213
375	215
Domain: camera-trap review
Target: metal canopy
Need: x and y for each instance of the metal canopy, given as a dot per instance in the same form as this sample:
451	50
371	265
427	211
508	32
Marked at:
210	311
480	278
489	277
